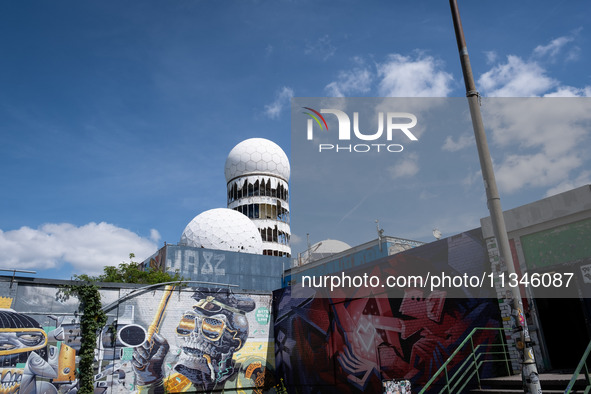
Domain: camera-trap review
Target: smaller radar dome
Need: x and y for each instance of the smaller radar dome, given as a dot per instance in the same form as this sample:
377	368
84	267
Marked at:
257	156
323	249
223	229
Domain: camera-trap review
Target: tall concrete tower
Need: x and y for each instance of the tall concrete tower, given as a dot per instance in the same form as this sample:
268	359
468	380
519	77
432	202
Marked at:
257	172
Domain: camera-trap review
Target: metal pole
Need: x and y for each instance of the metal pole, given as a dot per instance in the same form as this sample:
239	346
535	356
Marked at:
14	274
531	382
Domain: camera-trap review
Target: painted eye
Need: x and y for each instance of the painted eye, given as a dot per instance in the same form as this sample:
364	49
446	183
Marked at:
7	346
31	338
186	325
212	328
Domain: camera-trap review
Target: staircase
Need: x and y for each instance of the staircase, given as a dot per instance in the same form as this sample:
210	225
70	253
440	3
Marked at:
466	373
551	384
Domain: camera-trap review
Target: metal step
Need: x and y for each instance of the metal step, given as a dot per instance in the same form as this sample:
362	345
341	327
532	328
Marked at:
502	391
551	383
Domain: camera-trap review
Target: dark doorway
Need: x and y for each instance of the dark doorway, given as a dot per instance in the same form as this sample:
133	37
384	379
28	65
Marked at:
565	330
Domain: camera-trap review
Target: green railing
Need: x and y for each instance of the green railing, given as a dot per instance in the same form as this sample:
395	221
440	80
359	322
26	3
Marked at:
470	367
582	363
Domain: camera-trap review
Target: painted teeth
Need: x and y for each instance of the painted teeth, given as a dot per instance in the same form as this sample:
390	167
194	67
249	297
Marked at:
10	381
6	378
195	345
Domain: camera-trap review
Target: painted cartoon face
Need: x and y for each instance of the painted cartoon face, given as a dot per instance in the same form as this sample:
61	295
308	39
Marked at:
208	336
208	344
19	340
20	336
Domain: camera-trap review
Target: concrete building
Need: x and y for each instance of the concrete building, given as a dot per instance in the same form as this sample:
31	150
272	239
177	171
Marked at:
551	239
221	268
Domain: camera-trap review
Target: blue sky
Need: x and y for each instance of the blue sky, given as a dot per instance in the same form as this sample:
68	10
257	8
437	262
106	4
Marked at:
116	117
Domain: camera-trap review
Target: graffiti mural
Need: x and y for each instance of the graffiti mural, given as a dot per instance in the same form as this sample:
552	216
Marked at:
397	387
181	339
207	335
167	340
30	361
349	345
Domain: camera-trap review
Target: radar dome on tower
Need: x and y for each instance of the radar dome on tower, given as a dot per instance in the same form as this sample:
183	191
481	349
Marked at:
257	156
257	174
223	229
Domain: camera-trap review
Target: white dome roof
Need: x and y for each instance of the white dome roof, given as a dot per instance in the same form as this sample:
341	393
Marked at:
330	246
223	229
324	249
257	156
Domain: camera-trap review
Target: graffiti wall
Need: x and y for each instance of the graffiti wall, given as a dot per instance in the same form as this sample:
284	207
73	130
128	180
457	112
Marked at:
217	340
335	345
165	340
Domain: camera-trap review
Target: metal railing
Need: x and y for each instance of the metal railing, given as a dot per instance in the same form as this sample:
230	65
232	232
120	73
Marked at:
582	364
470	367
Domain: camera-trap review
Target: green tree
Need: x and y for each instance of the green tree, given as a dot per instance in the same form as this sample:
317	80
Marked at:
131	273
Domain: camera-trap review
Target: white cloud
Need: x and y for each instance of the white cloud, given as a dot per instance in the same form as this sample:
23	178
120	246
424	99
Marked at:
543	140
408	166
397	76
491	56
551	133
518	171
87	248
569	91
155	235
471	178
282	100
464	141
584	178
427	195
403	76
516	78
555	126
573	54
553	47
519	77
296	240
349	82
322	48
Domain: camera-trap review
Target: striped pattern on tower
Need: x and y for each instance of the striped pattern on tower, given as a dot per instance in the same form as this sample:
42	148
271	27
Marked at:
257	175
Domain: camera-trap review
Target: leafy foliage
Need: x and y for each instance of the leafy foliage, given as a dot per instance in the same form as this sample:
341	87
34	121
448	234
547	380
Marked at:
92	321
131	273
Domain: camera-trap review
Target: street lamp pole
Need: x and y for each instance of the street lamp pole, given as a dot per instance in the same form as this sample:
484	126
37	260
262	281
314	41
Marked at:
531	382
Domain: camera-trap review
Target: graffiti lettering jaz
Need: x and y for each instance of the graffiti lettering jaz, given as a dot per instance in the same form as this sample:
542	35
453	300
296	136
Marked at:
395	122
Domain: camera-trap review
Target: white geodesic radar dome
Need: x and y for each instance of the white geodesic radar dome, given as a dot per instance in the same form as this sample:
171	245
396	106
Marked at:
223	229
257	156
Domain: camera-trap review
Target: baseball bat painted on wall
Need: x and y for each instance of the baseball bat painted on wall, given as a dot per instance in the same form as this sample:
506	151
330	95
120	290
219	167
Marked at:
157	322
